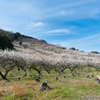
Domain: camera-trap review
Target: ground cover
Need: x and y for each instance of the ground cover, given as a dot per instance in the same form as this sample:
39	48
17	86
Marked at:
69	88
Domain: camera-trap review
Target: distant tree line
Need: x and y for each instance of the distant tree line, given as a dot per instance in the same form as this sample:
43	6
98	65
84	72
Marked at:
95	52
73	48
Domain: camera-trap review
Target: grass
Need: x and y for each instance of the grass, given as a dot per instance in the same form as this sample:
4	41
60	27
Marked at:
69	88
19	90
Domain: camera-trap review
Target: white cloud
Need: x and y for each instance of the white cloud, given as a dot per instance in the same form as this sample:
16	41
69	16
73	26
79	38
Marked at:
15	16
74	10
35	25
57	31
87	43
92	39
64	12
38	24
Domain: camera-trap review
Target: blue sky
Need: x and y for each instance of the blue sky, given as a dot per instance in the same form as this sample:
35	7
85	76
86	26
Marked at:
70	23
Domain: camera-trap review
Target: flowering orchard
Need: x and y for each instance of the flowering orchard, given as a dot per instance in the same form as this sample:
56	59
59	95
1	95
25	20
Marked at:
25	59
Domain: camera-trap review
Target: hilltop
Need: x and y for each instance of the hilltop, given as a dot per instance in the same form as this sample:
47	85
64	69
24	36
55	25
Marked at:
28	42
19	37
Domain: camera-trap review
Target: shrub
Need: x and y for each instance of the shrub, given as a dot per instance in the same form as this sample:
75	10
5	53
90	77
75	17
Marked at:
25	46
20	42
16	35
95	52
72	48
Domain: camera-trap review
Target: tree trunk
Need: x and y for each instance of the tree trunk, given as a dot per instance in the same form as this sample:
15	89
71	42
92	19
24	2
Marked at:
39	72
25	74
59	72
73	74
48	71
6	72
71	70
3	76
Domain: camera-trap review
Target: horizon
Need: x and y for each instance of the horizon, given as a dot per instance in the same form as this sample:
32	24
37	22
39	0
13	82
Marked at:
68	23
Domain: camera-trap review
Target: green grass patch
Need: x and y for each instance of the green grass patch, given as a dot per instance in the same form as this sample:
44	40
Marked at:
69	88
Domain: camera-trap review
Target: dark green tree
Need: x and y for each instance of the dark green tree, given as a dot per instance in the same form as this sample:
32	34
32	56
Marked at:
72	48
5	42
96	52
16	35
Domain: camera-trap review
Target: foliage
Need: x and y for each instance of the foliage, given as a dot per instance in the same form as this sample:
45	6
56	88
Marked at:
10	59
16	35
48	65
20	42
40	62
5	42
72	48
96	52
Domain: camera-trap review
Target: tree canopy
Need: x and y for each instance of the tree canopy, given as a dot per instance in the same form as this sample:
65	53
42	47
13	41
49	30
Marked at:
5	42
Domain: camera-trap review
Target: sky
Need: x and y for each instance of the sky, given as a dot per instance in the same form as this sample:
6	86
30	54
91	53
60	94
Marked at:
69	23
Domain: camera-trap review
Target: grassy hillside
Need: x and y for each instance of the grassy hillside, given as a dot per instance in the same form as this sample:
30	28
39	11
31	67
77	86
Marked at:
76	72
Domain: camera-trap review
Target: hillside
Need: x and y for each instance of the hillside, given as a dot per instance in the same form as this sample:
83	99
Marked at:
18	37
71	74
32	43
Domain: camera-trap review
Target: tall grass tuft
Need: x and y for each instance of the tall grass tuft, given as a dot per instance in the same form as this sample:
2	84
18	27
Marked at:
19	90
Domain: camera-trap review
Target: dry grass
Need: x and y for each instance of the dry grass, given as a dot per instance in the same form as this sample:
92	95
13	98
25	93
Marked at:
30	85
4	91
19	90
1	91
